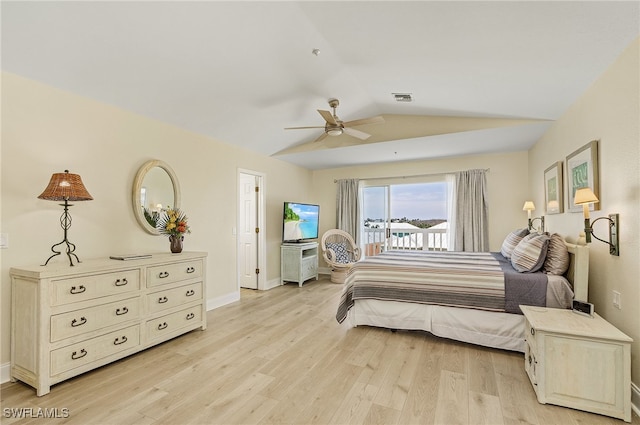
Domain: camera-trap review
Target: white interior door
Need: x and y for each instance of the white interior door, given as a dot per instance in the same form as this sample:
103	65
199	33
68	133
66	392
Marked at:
248	231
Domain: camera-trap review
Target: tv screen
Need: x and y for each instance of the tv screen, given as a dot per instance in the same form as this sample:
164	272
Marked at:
299	222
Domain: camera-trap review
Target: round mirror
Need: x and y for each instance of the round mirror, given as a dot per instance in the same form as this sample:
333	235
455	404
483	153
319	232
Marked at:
155	189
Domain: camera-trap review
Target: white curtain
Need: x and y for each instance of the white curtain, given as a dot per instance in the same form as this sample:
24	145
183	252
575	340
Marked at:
348	207
471	221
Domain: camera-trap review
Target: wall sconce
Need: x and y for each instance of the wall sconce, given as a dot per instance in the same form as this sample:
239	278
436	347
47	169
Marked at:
528	207
586	197
65	187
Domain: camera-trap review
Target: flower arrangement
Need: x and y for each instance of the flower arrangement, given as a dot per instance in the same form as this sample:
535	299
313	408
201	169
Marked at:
173	222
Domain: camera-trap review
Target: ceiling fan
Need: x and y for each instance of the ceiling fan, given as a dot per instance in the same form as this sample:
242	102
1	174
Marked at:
336	127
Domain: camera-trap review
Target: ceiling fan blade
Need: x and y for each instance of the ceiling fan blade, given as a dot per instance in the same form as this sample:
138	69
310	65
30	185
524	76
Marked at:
328	117
303	128
321	137
373	120
357	133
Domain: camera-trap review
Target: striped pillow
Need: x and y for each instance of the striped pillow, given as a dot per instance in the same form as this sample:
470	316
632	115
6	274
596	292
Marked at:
511	241
530	253
557	261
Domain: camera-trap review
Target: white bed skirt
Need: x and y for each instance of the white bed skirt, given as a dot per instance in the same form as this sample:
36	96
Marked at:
486	328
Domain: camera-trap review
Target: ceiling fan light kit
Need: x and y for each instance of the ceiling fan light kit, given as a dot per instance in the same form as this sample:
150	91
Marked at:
336	127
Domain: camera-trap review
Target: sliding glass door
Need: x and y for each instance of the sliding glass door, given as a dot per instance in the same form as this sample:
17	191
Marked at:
410	216
376	219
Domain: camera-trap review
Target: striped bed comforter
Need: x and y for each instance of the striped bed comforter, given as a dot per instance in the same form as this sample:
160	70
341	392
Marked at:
479	280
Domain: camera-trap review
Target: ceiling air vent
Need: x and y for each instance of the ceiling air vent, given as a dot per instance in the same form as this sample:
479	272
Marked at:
402	97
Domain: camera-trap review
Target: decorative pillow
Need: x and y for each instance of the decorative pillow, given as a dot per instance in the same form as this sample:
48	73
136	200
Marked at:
530	253
340	249
557	261
511	241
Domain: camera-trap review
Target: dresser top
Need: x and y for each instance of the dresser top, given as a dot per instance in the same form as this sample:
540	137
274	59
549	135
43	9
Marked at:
567	322
102	264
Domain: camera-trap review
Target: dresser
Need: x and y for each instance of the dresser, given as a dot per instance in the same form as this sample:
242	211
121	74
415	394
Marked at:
298	262
578	361
68	320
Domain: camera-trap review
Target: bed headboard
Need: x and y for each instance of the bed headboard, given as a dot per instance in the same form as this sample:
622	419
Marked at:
578	273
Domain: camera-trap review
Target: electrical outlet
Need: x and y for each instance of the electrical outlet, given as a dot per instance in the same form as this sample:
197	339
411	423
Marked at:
616	300
4	240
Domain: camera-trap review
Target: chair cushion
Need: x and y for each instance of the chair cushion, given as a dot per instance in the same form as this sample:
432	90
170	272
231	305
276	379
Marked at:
340	249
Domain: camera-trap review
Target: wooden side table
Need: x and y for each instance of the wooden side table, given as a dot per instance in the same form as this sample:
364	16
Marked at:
578	361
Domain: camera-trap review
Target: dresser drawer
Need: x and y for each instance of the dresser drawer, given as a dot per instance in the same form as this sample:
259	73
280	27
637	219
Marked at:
170	298
90	319
170	273
77	355
167	324
77	289
530	337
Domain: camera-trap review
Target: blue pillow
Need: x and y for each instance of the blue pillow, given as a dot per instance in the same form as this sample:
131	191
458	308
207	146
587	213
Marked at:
340	249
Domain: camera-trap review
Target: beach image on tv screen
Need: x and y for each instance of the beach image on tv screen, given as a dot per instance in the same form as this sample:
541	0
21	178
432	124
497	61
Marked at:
300	221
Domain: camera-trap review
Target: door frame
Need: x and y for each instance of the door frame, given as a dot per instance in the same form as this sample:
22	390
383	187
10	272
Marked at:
260	203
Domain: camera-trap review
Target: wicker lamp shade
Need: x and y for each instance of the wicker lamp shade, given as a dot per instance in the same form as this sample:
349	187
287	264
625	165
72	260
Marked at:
66	187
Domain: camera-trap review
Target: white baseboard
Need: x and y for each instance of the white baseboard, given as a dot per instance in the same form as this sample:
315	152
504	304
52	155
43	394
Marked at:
5	372
213	303
273	283
635	398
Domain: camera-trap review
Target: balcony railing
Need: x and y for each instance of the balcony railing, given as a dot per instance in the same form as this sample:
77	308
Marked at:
432	239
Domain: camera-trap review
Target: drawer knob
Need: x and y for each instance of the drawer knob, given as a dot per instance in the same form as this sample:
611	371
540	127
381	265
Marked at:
190	293
75	355
191	269
163	275
75	323
190	316
121	282
533	331
162	326
119	340
121	311
79	290
162	300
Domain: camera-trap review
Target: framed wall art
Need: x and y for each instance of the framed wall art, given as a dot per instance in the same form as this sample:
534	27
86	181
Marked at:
553	199
582	171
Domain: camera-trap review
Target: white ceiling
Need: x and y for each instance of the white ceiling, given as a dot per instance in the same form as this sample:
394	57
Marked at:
242	71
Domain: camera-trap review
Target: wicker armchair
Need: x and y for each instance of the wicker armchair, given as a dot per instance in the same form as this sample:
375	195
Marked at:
340	252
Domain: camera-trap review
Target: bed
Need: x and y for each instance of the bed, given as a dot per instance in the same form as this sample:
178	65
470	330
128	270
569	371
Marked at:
469	297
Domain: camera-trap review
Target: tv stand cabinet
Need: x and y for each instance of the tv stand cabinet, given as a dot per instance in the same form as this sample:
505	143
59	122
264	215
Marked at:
298	262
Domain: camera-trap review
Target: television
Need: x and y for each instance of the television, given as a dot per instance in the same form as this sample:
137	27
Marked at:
299	222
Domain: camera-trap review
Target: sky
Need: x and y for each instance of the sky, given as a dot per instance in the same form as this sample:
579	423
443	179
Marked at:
420	201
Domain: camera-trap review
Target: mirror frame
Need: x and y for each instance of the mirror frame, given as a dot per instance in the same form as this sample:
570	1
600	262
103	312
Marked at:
137	186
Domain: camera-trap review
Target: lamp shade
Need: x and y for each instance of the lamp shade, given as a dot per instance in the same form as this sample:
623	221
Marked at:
585	196
66	187
528	206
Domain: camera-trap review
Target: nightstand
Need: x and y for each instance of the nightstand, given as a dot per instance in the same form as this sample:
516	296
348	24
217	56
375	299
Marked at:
578	361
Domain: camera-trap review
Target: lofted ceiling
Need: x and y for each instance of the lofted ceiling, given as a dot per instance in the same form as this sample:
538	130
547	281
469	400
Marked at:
240	72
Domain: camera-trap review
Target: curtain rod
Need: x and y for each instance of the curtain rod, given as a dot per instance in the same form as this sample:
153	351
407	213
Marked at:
415	175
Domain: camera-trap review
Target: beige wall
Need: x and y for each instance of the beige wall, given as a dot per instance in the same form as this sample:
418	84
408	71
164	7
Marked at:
45	130
608	111
507	182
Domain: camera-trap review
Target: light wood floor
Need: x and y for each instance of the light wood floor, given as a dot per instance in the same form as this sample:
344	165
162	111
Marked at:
280	357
